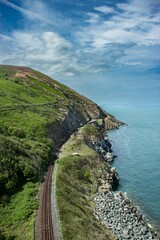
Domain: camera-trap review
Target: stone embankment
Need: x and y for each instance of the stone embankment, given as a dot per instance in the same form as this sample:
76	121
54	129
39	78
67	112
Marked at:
122	217
115	209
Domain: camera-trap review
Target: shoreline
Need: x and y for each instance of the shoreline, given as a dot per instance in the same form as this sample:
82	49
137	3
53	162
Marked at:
114	208
122	217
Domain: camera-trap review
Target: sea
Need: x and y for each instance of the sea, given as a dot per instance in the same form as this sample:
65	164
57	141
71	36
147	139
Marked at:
138	163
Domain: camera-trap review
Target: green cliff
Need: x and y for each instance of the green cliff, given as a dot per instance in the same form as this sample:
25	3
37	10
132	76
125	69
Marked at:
37	115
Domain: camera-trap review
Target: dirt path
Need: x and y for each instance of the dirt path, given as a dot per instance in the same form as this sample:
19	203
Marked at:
54	207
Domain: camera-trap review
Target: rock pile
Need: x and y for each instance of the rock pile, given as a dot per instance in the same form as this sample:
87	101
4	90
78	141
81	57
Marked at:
122	217
114	209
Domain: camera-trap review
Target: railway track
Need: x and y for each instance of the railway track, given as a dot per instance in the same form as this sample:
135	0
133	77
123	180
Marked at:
46	214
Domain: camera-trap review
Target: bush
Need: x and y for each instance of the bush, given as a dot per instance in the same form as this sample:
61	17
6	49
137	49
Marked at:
14	131
83	174
20	160
89	131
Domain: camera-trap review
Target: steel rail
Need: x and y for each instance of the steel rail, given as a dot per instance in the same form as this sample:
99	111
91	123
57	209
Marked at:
46	215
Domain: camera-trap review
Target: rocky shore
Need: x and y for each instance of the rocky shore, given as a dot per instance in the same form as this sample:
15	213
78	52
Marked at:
114	209
122	217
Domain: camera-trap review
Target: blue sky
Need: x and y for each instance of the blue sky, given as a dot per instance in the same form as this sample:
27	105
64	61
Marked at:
108	50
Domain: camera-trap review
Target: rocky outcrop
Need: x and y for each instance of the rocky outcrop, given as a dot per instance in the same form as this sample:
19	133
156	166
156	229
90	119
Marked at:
103	148
110	122
108	180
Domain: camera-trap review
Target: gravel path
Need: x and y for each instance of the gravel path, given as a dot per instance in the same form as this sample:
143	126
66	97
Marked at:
54	208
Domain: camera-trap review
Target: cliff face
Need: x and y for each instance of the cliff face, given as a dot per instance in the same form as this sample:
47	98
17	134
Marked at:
73	118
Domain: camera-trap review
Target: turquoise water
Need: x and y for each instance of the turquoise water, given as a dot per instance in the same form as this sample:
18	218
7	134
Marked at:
138	164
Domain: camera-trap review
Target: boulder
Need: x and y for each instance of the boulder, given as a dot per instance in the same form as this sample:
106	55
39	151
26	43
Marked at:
108	157
113	170
105	188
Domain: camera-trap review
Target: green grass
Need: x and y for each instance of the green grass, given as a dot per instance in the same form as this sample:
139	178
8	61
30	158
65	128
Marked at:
6	72
17	216
89	131
24	147
17	92
48	89
30	122
77	179
76	145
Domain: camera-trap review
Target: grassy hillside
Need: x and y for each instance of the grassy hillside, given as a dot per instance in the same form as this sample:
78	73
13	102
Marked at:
37	114
33	110
78	170
30	103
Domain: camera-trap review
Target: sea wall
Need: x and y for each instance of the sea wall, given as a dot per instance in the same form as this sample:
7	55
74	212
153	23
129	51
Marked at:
122	217
113	208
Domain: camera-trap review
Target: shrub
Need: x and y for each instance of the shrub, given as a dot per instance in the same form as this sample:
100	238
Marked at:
14	131
89	131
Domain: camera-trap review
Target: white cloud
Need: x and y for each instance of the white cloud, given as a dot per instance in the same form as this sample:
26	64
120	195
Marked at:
135	31
154	34
26	12
51	53
93	18
38	49
133	63
50	19
28	40
104	9
142	7
116	36
138	23
102	42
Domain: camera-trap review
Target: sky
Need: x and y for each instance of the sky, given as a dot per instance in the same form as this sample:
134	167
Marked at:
108	50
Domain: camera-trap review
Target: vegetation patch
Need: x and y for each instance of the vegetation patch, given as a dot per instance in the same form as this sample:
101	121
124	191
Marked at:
77	179
27	107
17	216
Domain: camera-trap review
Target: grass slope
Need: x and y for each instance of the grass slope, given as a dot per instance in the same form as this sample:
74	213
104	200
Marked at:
78	170
24	148
36	112
30	102
17	216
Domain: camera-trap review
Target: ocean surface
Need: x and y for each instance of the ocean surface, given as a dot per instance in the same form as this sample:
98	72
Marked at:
138	164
